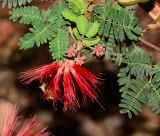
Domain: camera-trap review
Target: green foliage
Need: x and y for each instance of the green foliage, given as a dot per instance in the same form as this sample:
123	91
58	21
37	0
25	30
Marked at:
138	90
112	16
154	93
139	62
133	91
46	27
59	44
27	15
110	25
92	29
38	35
90	41
76	33
85	30
14	3
68	14
78	6
82	24
140	83
113	53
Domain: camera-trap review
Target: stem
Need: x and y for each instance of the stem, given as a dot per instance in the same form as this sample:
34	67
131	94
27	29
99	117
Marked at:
149	44
71	33
76	42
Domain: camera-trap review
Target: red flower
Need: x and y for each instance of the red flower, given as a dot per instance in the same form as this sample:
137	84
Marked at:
30	127
10	121
60	80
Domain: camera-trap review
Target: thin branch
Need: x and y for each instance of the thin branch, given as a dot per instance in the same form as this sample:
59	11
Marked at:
71	33
149	44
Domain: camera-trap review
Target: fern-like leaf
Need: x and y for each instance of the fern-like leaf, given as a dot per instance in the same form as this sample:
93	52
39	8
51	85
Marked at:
59	44
14	3
139	62
124	24
137	89
134	93
47	26
124	79
56	19
38	35
154	93
27	15
93	29
113	53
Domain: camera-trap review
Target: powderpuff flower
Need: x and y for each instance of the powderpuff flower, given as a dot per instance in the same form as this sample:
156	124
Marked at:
13	125
71	51
80	60
61	80
99	50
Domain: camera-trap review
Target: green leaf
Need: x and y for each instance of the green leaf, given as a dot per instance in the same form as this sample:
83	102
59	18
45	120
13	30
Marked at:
104	11
38	35
76	33
139	62
56	19
14	3
92	30
78	6
27	15
133	92
84	6
68	14
154	92
123	22
82	24
59	44
90	41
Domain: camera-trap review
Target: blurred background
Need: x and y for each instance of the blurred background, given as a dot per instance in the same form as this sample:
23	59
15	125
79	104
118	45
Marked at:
90	119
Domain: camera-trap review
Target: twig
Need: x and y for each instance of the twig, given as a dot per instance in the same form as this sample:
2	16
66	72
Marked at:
71	33
150	44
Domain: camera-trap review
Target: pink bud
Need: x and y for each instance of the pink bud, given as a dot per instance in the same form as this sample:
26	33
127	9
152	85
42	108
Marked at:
99	50
71	51
80	60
